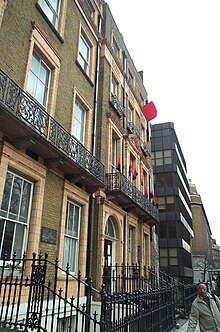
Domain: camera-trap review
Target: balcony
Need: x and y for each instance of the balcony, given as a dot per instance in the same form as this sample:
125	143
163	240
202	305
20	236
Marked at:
26	124
146	149
133	129
117	105
121	191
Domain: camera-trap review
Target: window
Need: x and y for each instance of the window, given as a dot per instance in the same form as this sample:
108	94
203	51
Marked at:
130	77
130	113
89	8
130	245
162	157
114	153
84	54
39	79
51	10
79	122
145	250
115	48
15	214
114	87
71	236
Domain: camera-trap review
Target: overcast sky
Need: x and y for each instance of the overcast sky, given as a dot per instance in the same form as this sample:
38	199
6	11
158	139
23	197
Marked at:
176	44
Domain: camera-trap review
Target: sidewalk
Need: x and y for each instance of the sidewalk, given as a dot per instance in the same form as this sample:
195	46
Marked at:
183	323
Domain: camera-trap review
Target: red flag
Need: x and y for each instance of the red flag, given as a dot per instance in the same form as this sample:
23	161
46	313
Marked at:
130	168
118	166
150	111
135	174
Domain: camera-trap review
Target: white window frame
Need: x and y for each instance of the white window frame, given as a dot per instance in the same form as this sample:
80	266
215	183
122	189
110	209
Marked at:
115	47
78	107
114	87
84	59
55	12
73	238
10	217
37	80
114	154
130	245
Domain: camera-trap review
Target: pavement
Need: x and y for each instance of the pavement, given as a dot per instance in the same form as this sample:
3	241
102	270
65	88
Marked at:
183	323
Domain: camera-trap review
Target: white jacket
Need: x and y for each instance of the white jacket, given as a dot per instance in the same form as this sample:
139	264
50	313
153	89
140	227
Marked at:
208	318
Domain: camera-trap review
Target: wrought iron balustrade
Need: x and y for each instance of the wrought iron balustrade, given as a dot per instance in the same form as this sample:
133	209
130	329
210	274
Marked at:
118	182
132	128
16	101
45	297
117	103
145	147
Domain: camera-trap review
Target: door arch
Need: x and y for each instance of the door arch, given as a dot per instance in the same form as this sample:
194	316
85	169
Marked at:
109	244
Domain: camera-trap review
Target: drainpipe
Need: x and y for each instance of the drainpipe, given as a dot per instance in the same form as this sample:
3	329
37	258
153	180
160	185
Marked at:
93	148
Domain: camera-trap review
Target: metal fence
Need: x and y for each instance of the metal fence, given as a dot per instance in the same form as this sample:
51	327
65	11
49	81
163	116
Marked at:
37	295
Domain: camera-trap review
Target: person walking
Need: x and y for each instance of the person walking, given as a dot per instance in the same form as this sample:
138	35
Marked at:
205	311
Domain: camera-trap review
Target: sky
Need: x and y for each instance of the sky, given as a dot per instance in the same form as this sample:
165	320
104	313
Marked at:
176	44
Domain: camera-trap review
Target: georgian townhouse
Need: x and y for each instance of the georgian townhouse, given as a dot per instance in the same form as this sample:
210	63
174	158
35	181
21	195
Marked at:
125	216
48	171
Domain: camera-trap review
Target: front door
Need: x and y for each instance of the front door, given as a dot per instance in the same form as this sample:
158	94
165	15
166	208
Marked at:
108	264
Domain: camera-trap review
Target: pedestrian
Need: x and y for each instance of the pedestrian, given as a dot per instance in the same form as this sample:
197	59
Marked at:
205	311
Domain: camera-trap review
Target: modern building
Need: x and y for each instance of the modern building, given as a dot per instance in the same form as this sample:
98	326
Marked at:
202	257
172	190
75	161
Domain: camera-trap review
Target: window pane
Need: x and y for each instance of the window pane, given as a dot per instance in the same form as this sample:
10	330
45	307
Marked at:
8	239
167	153
84	54
6	195
51	8
173	261
25	202
38	80
18	241
15	198
158	154
79	122
163	261
167	161
71	238
159	162
70	253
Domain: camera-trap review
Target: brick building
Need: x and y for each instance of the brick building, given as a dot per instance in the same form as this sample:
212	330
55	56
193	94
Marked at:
201	242
71	110
125	218
47	165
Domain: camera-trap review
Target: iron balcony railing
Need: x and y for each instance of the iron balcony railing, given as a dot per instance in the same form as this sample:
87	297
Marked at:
132	127
16	101
117	104
145	147
118	182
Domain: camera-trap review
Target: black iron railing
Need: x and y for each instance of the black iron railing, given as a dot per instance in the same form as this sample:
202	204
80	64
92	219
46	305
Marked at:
184	296
37	295
27	110
129	278
117	181
145	147
132	127
117	104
